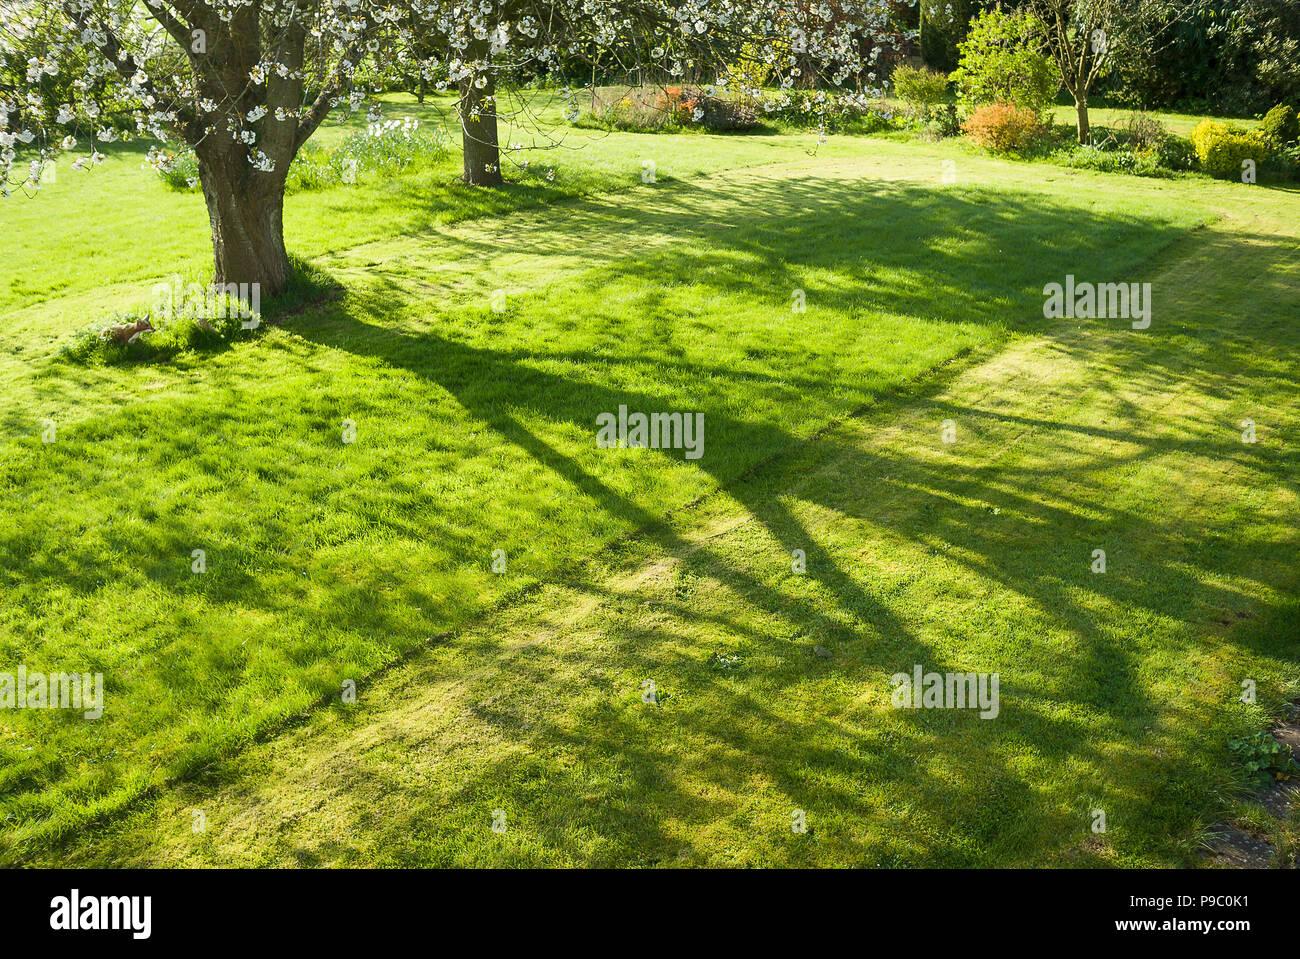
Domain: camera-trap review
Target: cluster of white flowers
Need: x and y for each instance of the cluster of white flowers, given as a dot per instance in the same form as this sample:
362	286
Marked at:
404	127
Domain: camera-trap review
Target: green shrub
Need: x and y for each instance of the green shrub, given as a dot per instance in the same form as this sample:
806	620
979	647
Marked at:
1280	126
1154	146
1134	162
1004	127
1178	154
1221	148
1002	62
1092	157
921	89
1285	163
1143	132
751	71
944	122
943	26
1140	146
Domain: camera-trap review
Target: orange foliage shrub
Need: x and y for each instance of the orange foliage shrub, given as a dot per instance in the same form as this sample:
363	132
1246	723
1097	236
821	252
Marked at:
1001	127
674	105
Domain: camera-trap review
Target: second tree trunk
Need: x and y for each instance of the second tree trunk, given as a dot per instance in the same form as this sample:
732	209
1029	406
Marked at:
478	125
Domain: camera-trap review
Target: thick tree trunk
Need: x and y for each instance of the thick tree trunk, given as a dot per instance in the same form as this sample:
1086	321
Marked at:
1085	129
478	125
246	212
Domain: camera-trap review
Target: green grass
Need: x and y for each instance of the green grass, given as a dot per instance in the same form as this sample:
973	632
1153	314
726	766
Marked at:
104	231
1179	123
329	561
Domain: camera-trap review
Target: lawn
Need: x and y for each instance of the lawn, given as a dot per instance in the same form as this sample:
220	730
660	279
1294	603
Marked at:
1181	124
476	339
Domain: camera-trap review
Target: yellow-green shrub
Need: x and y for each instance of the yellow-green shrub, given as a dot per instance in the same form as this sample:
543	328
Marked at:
752	71
1221	148
1280	126
920	88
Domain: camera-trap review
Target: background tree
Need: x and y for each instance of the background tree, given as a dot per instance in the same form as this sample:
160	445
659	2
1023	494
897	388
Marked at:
1078	35
1233	56
944	24
1085	38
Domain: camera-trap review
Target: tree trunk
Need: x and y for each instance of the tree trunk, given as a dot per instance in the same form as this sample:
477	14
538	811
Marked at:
246	212
478	126
1085	129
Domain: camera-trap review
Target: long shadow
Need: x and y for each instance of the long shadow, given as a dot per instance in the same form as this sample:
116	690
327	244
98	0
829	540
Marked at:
462	368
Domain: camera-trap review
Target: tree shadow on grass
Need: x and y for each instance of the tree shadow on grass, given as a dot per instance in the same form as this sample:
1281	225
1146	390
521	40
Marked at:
1110	670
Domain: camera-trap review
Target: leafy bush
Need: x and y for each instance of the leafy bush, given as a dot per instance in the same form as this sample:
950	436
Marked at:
1004	127
751	71
1002	62
944	24
1154	146
1222	148
921	89
944	122
1145	132
1178	153
1280	126
1135	162
1285	163
1214	56
1264	758
1140	146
